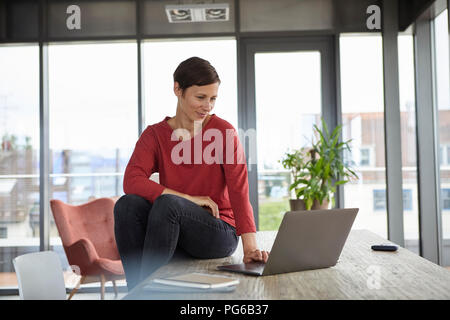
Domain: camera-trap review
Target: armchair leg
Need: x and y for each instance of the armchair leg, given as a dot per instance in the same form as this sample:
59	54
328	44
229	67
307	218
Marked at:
76	287
115	288
102	292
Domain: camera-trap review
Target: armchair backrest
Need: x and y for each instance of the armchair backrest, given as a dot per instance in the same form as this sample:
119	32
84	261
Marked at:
93	220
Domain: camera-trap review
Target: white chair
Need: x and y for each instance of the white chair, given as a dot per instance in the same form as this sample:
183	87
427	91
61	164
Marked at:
40	276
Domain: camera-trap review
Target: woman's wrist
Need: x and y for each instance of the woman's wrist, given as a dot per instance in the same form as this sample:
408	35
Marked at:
249	242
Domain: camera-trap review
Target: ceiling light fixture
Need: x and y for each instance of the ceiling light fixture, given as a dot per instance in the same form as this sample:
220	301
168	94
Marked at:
213	12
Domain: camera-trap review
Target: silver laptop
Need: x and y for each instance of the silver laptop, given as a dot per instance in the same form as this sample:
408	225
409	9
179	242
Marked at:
306	240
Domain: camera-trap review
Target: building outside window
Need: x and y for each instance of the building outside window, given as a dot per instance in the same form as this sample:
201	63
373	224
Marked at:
363	122
92	123
445	199
408	140
379	199
19	152
442	105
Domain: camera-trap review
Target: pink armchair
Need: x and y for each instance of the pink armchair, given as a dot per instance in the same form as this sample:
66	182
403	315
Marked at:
87	234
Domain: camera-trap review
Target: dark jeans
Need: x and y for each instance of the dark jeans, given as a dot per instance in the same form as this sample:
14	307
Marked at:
148	234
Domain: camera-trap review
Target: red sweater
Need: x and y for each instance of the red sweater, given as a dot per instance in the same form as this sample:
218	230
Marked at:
224	181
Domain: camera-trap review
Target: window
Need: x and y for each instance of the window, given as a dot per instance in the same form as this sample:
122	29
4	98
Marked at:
442	101
379	199
19	152
162	58
93	119
407	199
445	199
408	141
444	155
448	155
365	157
3	232
363	122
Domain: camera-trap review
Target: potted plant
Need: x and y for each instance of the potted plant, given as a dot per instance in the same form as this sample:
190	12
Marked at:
318	170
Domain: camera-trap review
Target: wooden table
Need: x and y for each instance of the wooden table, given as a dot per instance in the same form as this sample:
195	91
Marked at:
360	273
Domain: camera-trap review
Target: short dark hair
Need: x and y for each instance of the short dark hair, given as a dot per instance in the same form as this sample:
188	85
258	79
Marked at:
195	71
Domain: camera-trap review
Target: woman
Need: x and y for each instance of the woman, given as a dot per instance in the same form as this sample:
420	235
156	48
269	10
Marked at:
201	204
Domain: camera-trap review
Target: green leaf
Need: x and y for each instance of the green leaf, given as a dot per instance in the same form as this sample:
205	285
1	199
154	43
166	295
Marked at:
336	131
300	192
304	181
322	138
295	184
326	171
325	128
334	141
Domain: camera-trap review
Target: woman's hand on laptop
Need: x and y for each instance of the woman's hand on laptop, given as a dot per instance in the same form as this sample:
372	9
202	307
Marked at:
256	255
251	251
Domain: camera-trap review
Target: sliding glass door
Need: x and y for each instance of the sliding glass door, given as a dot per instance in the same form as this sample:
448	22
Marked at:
290	86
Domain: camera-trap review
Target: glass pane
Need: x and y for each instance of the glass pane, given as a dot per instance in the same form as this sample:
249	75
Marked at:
408	138
363	122
285	114
93	120
19	155
161	58
443	107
